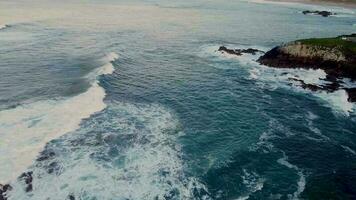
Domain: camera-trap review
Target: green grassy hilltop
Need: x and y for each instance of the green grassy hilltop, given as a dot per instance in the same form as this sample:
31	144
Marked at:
346	43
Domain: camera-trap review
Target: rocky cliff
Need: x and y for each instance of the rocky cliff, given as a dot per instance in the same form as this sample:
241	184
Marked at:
337	56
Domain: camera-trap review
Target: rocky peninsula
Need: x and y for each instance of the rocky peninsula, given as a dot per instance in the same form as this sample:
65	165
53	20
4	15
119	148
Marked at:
336	56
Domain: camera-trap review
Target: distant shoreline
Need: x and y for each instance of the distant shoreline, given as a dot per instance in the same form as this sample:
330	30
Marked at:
342	3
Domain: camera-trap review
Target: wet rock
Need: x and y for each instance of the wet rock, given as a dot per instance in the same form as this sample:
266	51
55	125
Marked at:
239	52
229	51
3	190
45	155
317	12
27	178
351	93
331	87
307	85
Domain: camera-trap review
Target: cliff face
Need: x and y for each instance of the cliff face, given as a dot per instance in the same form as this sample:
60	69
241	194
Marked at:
297	49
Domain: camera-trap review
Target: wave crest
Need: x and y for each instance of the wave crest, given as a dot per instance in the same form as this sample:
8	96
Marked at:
27	128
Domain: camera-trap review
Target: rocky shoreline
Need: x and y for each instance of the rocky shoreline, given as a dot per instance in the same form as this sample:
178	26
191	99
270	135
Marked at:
336	56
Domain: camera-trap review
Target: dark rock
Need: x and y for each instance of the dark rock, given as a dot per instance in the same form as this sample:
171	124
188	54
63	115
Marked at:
3	190
239	52
328	87
250	51
27	178
45	155
317	12
71	197
229	51
351	93
6	188
307	85
331	87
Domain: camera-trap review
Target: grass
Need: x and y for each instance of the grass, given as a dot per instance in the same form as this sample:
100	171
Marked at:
348	47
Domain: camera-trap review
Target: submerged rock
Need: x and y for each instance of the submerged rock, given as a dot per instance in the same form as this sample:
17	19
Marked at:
317	12
239	52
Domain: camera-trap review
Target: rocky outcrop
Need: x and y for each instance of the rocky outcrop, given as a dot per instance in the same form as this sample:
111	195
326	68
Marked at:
336	56
317	12
239	52
333	60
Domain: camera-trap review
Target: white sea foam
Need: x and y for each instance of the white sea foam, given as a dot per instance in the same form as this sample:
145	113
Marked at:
3	26
107	68
255	73
338	101
150	165
348	83
348	149
253	182
27	128
272	78
300	183
243	198
211	51
310	117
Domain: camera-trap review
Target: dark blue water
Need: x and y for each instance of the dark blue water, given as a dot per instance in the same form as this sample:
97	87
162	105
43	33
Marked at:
179	120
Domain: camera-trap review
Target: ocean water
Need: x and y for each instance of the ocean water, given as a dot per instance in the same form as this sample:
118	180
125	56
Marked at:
130	100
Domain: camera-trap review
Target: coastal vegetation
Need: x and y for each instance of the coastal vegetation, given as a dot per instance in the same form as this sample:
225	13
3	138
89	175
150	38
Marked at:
346	43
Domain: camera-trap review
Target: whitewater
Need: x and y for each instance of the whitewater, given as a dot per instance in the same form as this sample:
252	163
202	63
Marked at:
27	128
131	100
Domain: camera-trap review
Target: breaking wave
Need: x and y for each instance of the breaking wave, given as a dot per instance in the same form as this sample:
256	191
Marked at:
27	128
127	151
3	26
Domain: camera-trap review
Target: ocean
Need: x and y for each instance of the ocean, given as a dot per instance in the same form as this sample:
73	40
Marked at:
130	100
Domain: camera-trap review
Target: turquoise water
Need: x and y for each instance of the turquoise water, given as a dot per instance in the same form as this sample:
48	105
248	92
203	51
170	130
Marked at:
131	100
